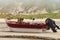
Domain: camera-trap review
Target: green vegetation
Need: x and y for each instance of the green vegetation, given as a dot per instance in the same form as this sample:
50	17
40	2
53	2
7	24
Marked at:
51	15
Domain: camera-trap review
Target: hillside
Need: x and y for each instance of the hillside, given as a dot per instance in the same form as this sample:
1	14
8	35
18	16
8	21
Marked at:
29	6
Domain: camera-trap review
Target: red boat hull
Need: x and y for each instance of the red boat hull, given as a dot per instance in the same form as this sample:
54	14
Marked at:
26	25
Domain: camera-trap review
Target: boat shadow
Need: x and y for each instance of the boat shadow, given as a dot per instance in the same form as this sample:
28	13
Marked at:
28	32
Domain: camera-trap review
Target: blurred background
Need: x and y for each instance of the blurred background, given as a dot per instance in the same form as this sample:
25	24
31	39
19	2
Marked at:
16	7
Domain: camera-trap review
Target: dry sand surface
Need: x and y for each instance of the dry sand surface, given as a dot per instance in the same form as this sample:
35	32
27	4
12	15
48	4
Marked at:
17	39
43	35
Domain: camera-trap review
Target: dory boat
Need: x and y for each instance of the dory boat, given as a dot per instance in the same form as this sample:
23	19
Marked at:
25	27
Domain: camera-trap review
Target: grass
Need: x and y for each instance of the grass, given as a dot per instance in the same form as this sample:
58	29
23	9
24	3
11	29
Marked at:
51	15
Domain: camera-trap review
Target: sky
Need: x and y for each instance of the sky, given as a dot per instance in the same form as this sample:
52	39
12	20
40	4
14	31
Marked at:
6	2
